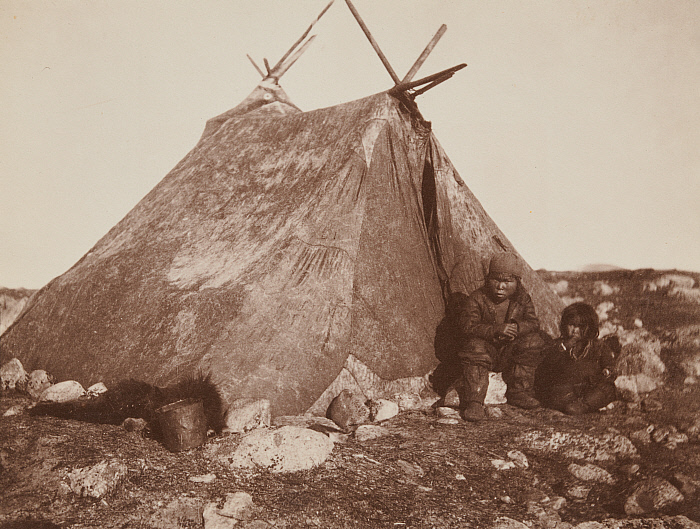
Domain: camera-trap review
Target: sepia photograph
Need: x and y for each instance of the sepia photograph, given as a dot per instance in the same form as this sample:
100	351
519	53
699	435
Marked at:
350	263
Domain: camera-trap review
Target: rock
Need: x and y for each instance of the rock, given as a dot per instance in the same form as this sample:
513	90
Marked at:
642	436
382	410
444	411
247	414
652	495
671	280
630	470
348	410
661	433
693	429
590	525
639	365
63	392
451	398
673	440
560	287
589	472
449	421
17	409
579	492
605	447
181	512
502	464
687	485
204	478
508	523
239	506
650	405
412	470
408	401
99	480
12	373
313	422
133	424
547	518
638	323
493	412
632	387
601	288
691	365
496	392
37	382
518	458
286	449
603	308
97	389
370	431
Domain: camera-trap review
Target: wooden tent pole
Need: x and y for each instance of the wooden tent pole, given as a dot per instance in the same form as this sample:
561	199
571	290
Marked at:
255	66
407	86
423	56
289	52
287	65
373	42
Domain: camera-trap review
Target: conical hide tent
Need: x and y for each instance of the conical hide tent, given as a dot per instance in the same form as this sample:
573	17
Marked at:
291	254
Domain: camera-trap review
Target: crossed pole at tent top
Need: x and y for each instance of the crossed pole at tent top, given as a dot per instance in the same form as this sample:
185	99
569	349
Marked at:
405	84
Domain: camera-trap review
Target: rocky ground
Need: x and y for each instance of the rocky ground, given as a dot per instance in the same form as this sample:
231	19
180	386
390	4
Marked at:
636	464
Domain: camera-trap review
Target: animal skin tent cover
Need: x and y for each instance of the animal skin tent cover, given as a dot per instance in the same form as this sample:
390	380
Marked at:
291	254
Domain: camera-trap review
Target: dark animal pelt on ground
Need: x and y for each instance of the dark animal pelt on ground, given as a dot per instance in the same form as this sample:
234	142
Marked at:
131	398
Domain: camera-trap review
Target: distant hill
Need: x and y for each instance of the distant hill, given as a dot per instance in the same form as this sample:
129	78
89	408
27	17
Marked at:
600	268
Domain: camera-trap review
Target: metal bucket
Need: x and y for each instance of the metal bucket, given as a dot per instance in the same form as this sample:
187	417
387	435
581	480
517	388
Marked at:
183	424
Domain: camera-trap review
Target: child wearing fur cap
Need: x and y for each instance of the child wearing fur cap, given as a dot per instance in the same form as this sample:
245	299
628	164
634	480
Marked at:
577	374
501	332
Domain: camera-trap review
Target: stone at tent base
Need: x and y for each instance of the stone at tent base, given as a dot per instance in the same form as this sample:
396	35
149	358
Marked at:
12	374
382	410
62	392
280	450
247	414
37	382
348	410
96	389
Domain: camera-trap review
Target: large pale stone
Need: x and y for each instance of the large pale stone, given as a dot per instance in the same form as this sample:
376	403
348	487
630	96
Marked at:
287	449
63	392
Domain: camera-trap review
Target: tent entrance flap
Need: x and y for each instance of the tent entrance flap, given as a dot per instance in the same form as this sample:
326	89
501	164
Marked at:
430	216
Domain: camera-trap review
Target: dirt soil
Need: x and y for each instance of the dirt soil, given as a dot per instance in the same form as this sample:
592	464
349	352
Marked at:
423	474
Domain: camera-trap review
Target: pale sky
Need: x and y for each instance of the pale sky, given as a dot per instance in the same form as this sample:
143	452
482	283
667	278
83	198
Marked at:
575	123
